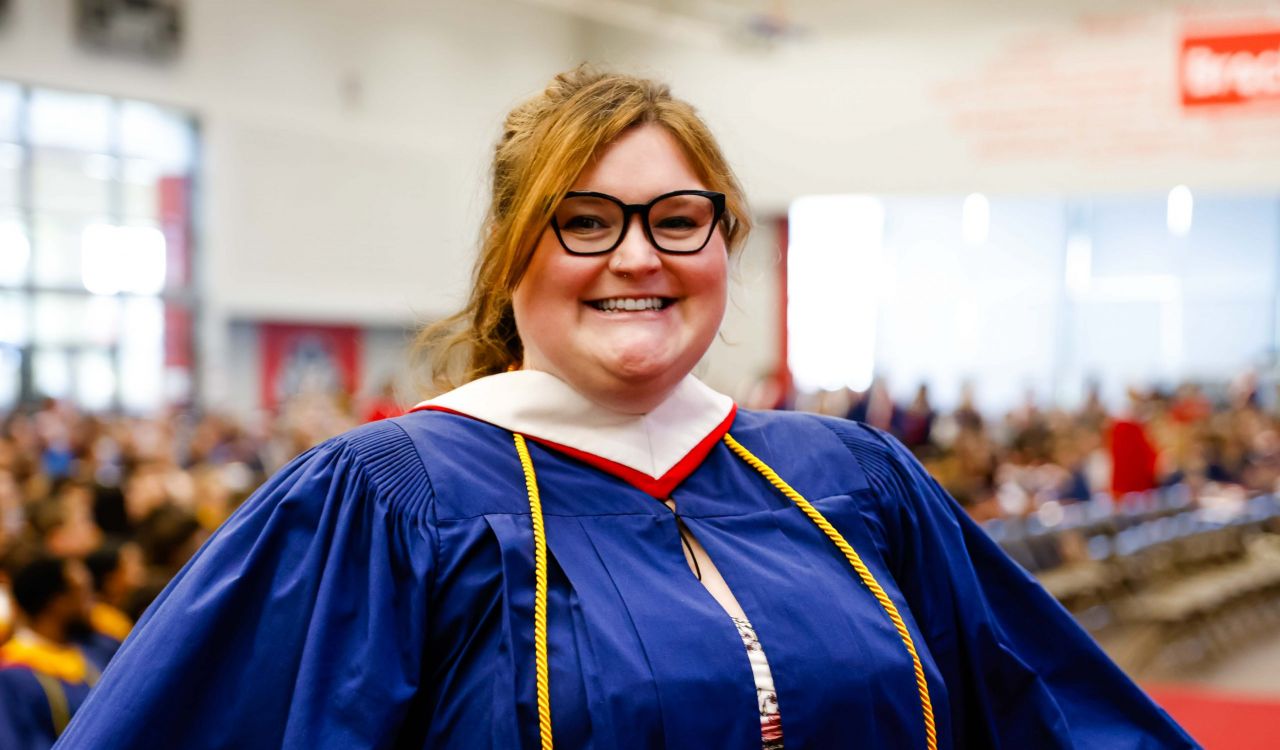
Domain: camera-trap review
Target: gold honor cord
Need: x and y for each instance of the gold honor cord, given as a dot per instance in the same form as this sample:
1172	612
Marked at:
930	728
59	710
539	594
540	585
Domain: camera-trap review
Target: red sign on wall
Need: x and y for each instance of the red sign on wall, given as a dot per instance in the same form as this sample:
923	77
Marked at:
299	359
1230	70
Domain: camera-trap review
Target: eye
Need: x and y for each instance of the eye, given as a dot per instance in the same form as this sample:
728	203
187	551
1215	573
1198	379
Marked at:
676	223
584	223
680	216
588	217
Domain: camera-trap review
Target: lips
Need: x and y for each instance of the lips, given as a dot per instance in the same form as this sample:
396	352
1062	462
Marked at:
631	304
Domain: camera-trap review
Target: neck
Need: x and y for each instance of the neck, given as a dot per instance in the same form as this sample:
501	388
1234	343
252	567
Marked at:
634	404
622	398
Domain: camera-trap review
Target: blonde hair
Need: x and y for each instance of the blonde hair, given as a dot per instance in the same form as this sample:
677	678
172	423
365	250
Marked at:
546	143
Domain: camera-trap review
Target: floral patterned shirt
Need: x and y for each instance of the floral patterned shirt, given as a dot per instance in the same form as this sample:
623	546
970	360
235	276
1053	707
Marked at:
770	719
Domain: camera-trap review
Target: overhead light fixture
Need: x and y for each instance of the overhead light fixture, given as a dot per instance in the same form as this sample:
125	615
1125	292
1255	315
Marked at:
975	221
1079	264
122	259
1179	211
835	242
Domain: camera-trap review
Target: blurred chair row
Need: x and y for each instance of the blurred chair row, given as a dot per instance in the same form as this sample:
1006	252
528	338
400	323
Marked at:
1187	584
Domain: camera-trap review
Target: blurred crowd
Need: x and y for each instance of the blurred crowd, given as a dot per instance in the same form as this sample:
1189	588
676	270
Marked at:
98	513
1216	442
74	484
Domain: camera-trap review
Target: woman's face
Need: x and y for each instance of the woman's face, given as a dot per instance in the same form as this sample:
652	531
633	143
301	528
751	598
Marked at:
628	360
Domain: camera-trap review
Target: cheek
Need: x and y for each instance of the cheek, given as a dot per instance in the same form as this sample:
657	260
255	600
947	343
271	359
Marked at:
710	281
529	299
546	302
549	297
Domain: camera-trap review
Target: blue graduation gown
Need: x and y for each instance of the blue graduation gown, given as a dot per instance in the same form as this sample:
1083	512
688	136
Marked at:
378	592
26	714
26	718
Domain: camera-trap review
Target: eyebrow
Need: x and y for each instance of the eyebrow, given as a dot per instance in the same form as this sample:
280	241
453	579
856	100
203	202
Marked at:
579	193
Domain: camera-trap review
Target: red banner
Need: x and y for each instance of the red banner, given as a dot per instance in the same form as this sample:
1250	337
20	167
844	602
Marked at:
1230	70
174	212
298	359
178	336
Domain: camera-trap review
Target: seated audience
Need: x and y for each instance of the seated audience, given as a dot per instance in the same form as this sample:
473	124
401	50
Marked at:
54	657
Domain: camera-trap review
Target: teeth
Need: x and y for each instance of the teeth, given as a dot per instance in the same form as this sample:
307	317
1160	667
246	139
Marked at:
630	304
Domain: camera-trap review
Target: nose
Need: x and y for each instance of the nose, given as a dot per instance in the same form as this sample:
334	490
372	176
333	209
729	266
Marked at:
636	256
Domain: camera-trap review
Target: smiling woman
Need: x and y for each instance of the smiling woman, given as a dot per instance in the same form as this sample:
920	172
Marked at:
568	164
583	546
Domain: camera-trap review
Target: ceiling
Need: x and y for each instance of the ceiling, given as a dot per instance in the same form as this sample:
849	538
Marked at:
803	18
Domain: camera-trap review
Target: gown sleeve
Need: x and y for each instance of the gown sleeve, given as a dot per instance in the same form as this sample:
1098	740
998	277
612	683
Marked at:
300	624
1019	671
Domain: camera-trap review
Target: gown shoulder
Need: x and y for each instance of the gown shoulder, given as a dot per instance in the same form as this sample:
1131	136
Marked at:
1019	670
298	624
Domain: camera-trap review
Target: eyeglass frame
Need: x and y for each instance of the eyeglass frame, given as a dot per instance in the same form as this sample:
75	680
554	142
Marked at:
631	209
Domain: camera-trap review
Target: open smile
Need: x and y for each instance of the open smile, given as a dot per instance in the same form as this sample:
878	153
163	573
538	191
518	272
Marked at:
631	304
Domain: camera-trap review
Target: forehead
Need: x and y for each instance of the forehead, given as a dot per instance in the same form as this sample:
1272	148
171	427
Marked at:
643	162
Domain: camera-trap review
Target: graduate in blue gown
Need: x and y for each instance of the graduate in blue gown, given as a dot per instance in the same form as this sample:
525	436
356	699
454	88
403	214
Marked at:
571	548
53	658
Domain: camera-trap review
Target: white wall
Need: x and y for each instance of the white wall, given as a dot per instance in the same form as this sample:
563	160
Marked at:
746	349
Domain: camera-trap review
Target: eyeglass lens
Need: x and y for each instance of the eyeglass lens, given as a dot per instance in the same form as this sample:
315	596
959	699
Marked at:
677	223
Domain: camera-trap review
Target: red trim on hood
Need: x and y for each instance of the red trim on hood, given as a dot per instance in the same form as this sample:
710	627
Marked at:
658	487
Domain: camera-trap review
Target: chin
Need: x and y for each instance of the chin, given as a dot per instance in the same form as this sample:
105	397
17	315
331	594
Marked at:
643	370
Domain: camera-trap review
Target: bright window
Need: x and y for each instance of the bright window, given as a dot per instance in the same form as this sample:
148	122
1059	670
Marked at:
96	304
1039	295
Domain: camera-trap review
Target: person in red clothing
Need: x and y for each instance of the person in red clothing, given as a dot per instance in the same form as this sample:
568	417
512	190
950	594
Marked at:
1133	456
384	405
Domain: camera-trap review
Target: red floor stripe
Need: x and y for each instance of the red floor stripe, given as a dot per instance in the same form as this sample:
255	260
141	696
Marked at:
1222	721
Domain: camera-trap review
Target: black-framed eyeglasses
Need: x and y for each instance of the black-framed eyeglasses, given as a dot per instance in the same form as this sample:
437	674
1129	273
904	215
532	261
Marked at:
678	222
